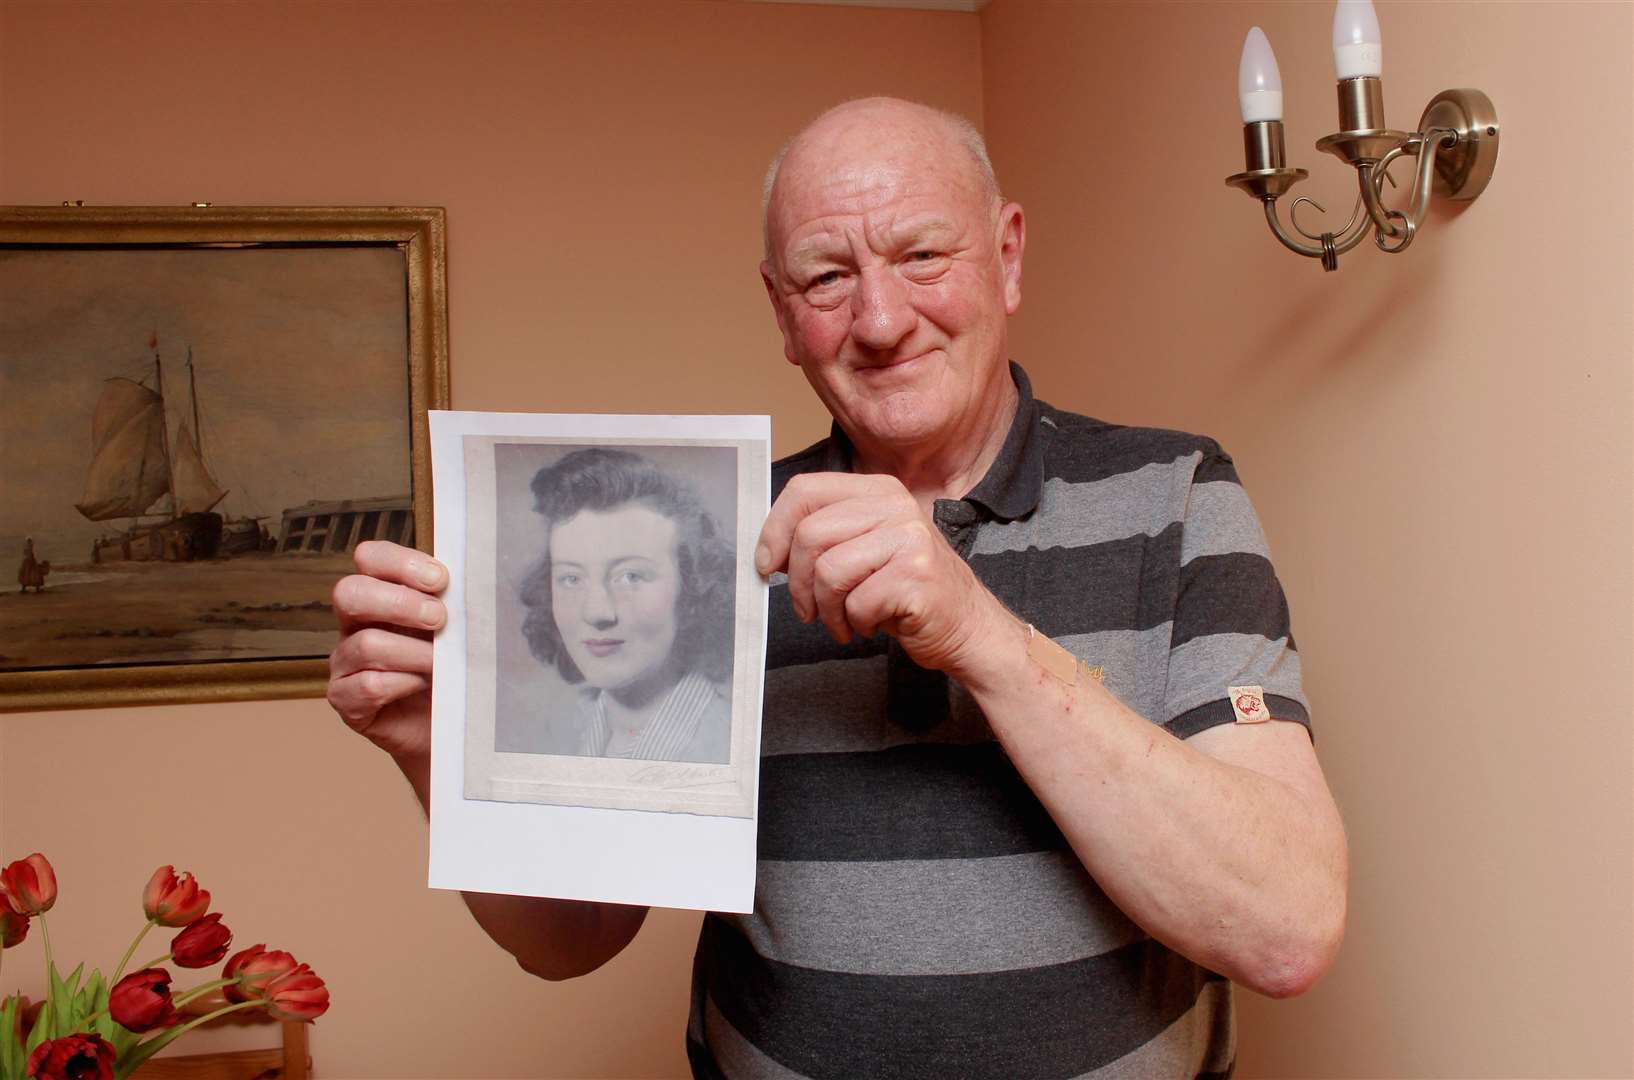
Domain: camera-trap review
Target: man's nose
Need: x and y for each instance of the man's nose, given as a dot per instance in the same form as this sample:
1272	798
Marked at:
599	609
880	313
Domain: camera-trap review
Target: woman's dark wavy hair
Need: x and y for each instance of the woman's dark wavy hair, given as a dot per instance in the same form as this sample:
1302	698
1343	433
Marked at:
602	479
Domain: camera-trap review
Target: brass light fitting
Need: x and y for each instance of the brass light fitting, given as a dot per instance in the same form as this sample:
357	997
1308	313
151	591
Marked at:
1456	144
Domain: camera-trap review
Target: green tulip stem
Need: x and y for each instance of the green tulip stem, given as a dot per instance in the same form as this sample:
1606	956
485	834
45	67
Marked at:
155	962
143	1051
200	990
120	970
254	1003
45	937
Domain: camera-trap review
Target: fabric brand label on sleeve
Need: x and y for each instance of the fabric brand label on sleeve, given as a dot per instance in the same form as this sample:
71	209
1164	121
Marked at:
1248	702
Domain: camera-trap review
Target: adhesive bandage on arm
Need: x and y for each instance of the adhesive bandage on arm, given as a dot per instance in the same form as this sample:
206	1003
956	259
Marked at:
1056	660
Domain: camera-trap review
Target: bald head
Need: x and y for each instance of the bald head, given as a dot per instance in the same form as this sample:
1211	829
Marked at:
905	129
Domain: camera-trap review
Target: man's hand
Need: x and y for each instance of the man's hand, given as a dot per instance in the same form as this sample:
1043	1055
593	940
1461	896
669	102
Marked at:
380	673
862	557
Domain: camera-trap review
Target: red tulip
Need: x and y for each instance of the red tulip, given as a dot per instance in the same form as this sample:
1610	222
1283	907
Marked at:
254	967
72	1057
30	885
141	1001
298	995
13	927
202	943
28	1014
170	900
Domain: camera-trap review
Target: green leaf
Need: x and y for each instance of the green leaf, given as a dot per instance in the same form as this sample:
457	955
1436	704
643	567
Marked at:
123	1040
54	1002
11	1054
62	1001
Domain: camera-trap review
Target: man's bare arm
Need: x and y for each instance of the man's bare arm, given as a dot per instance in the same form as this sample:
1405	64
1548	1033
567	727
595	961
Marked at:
1227	847
380	684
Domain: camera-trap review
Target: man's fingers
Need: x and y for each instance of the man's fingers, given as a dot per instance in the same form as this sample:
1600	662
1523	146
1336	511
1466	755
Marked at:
804	495
359	697
825	528
403	565
377	649
361	601
844	568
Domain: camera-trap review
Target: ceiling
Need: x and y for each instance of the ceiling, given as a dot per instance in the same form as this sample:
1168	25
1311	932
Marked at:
931	5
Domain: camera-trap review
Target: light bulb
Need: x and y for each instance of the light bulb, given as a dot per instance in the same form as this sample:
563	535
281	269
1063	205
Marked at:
1259	83
1358	48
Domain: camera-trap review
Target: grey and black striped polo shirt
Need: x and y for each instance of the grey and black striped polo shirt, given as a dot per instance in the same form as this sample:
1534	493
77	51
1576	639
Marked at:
917	913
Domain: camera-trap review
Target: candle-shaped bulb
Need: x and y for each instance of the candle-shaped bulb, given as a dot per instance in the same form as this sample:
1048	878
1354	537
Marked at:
1259	83
1358	48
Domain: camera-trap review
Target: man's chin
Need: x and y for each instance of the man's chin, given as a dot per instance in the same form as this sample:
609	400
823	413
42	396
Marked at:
905	417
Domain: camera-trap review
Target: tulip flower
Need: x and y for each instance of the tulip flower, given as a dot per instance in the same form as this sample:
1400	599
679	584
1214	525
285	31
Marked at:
170	900
20	1022
297	995
254	968
202	943
28	1014
141	1001
13	927
30	885
72	1057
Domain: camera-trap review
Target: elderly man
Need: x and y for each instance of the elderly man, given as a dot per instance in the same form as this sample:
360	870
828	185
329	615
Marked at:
1037	780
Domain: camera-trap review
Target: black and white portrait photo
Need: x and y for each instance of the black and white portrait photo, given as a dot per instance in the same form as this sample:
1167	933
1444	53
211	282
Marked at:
603	659
627	598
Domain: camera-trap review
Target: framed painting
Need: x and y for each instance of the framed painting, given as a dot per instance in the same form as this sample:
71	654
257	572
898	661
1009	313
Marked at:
203	411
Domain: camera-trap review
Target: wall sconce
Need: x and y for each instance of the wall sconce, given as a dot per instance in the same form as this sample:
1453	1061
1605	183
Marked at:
1456	142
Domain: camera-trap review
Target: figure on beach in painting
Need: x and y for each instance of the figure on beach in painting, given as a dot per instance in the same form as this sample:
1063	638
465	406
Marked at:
31	574
634	599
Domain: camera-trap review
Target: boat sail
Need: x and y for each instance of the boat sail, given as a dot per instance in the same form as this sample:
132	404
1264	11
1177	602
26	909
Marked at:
128	469
195	489
134	469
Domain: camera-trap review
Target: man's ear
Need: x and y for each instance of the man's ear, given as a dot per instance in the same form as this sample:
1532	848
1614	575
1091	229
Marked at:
779	308
1012	246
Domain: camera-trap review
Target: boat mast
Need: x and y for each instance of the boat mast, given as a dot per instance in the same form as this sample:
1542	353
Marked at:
164	430
193	392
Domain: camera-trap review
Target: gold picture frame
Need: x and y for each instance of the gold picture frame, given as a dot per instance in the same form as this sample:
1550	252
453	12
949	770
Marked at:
268	292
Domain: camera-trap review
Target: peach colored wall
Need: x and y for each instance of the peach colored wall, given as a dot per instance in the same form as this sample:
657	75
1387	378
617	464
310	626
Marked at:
1439	445
601	166
1448	496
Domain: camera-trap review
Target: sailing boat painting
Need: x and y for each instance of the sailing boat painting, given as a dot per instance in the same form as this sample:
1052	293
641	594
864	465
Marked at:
133	469
193	440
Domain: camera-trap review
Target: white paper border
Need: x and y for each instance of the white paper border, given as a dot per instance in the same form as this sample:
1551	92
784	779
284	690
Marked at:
572	852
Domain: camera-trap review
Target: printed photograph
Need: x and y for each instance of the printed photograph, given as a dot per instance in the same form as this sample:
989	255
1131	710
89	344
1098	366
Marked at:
617	582
614	623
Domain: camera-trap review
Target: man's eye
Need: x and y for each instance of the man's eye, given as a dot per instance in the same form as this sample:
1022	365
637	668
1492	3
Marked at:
567	581
827	278
629	577
924	256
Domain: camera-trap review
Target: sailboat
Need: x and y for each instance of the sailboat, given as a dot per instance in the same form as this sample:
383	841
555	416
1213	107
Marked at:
135	473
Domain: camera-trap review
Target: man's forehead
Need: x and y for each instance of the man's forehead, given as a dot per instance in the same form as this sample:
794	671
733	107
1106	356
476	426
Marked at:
888	198
887	229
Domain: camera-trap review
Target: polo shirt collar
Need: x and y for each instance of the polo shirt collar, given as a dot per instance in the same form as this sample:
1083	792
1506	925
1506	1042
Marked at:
1014	483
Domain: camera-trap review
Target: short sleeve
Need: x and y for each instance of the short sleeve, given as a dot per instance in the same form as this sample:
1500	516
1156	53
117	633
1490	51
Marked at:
1231	625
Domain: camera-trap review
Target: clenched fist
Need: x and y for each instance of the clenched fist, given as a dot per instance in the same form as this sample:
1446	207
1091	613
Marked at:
862	557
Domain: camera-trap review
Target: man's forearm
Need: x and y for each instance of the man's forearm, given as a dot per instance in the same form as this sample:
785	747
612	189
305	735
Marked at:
553	939
1239	871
